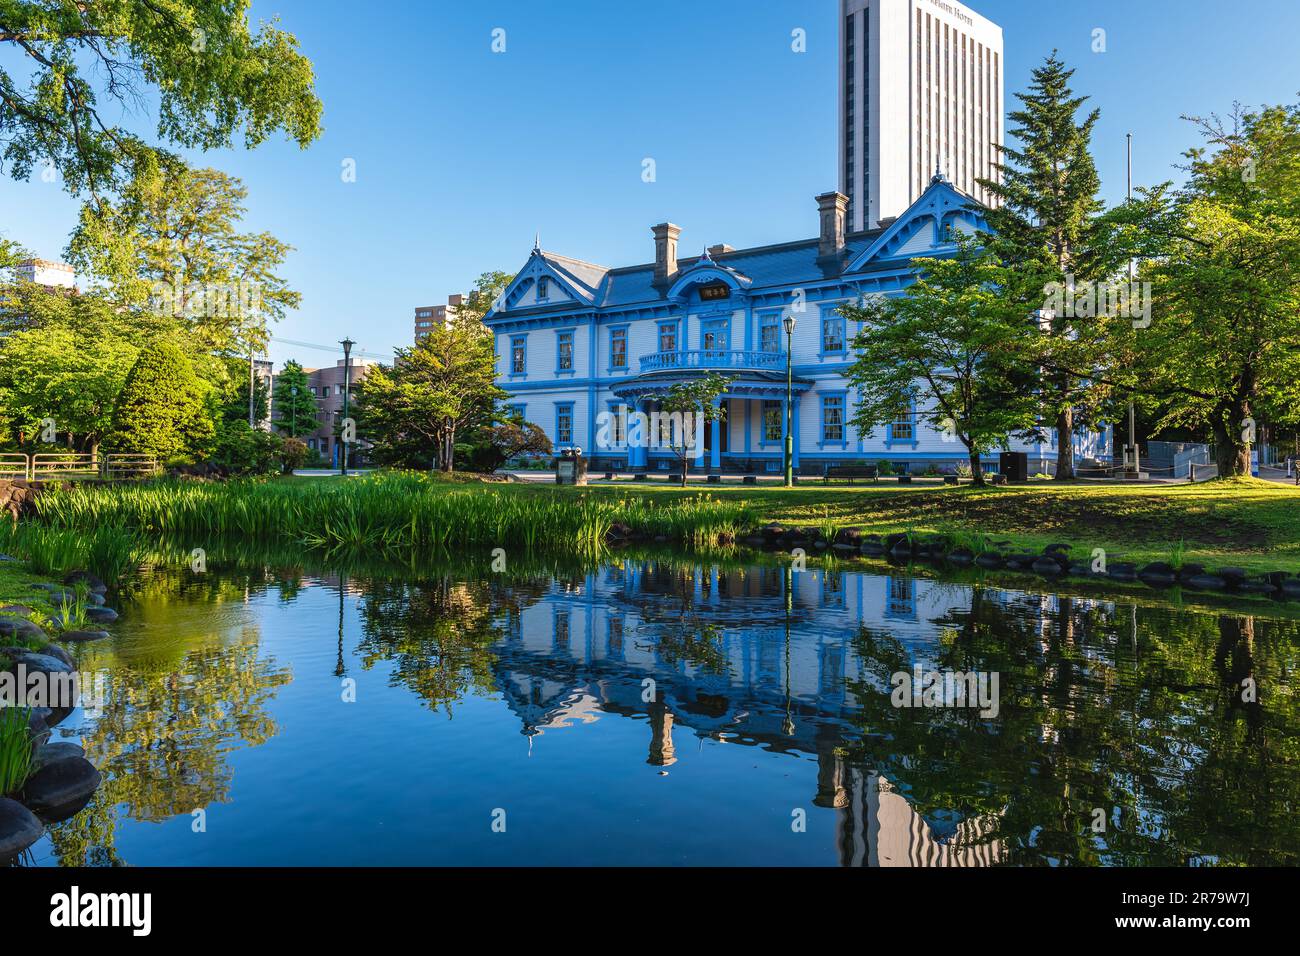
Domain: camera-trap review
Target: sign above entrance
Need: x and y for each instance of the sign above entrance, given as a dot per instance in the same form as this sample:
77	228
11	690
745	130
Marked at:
711	293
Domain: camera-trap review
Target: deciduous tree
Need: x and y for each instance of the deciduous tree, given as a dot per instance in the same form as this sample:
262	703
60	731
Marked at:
947	344
442	387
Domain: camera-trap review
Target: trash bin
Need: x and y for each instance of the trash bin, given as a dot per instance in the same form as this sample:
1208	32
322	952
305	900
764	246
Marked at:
1015	465
571	467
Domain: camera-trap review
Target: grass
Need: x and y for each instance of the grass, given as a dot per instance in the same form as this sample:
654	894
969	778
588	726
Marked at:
106	552
15	749
1243	522
390	512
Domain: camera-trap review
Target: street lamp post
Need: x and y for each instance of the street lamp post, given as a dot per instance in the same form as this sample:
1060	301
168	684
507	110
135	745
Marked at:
347	394
788	321
293	392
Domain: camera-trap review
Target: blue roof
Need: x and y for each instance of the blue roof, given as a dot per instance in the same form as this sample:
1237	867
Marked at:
784	265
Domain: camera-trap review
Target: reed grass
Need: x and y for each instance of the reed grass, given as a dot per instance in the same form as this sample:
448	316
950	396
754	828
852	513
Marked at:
388	512
15	749
52	550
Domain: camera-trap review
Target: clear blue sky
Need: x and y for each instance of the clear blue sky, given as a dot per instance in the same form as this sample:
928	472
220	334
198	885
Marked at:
462	154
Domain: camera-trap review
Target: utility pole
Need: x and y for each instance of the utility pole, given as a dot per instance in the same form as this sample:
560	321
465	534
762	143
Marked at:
252	390
347	395
1136	470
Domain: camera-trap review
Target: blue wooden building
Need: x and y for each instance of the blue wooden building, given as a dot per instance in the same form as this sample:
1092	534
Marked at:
585	351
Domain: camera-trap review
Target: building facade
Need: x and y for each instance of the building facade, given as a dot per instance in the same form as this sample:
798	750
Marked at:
328	385
429	316
921	90
588	352
53	275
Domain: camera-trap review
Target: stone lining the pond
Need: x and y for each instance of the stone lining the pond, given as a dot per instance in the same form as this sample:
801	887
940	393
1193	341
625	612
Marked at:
62	780
11	627
1053	562
82	636
92	583
53	753
61	784
19	828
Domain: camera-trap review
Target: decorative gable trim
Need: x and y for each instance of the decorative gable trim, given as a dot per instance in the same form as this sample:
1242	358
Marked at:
565	288
924	228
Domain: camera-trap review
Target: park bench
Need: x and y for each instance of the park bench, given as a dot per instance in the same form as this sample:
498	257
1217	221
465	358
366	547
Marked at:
851	473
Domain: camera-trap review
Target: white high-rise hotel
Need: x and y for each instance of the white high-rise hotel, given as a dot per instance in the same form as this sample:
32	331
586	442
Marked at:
921	84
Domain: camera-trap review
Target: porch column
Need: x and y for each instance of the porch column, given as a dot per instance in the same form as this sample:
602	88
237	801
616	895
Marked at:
637	440
697	434
715	458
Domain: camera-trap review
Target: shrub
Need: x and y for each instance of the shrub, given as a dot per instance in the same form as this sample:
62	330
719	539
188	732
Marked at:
241	450
293	454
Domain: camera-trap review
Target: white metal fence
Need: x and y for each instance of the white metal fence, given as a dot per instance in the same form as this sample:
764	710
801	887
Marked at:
48	465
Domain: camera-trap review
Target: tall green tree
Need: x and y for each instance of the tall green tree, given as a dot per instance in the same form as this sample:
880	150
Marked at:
234	405
173	244
163	408
294	404
441	388
1047	229
489	287
1224	347
68	377
83	65
944	344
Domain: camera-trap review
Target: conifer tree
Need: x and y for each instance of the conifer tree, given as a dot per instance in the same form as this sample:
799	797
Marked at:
162	410
294	405
1046	228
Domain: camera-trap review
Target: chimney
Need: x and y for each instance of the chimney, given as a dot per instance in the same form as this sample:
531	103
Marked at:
665	252
721	249
832	207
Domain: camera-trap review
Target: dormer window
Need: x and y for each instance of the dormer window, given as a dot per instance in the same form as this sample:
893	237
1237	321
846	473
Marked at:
543	288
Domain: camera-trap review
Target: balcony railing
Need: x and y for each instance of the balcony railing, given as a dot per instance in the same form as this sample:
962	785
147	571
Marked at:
706	359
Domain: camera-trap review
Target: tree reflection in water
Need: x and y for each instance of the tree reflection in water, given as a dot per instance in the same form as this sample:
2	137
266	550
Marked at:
1128	711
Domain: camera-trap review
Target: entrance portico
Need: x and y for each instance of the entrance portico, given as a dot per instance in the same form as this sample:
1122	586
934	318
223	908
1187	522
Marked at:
750	395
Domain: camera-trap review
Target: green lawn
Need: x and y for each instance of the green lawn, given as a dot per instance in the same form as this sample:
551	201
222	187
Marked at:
16	588
1243	522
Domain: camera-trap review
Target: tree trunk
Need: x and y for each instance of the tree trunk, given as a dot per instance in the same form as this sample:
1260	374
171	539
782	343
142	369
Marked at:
1065	445
1230	452
976	469
686	467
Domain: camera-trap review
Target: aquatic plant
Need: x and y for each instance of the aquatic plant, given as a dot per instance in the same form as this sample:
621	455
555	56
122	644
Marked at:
53	551
15	749
827	526
1178	555
387	512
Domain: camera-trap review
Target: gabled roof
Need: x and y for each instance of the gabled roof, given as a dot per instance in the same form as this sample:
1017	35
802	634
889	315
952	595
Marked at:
923	228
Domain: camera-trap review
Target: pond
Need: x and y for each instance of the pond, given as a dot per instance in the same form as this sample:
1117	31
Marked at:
648	710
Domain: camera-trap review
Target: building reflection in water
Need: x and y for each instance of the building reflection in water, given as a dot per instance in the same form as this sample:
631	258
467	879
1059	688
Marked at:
754	657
